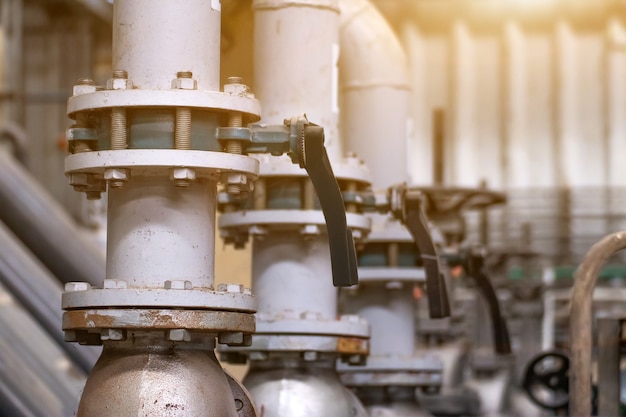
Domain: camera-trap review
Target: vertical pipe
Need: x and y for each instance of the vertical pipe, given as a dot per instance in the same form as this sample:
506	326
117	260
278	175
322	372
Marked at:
296	47
175	244
154	43
438	146
374	92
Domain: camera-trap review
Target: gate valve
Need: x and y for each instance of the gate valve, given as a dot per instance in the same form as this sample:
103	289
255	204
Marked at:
303	142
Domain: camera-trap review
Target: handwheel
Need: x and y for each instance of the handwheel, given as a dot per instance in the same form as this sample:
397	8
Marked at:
546	380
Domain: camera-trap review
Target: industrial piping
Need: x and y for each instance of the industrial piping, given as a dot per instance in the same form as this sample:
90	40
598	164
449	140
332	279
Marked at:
38	220
40	293
581	320
374	87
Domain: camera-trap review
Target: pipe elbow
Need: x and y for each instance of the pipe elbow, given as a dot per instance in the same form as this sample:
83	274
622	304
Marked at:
371	54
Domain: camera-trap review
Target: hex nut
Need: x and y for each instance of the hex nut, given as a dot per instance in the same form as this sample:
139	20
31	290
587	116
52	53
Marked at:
114	284
237	89
80	89
184	84
310	230
179	335
231	338
355	360
112	334
351	318
178	285
234	178
77	286
119	84
70	336
309	356
183	174
231	288
116	174
257	231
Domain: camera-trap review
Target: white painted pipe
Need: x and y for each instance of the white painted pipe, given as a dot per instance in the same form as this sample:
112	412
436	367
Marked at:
295	59
154	43
374	92
296	47
391	315
159	232
292	277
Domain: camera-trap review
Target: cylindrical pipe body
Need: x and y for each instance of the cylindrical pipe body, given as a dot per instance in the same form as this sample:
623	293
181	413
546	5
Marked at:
391	315
296	48
158	232
39	292
152	44
291	276
38	220
374	95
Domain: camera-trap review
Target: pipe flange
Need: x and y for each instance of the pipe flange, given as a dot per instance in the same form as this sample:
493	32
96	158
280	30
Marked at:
358	327
209	321
400	371
242	222
352	350
199	99
351	169
387	274
348	338
197	299
206	164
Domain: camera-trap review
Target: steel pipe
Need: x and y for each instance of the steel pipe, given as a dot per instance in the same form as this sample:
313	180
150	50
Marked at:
43	225
581	320
39	292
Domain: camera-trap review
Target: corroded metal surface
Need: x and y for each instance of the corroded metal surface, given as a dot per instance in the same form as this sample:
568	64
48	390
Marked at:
158	319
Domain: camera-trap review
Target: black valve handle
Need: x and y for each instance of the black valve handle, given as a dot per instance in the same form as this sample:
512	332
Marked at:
474	266
314	159
413	217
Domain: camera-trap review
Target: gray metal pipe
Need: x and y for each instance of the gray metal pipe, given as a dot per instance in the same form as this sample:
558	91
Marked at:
37	376
581	320
46	229
40	293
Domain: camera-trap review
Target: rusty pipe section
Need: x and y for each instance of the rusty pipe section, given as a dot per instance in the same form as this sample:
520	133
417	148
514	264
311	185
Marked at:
581	320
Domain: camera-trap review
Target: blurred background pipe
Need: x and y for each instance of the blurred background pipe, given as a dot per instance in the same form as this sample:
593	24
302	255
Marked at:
44	227
39	292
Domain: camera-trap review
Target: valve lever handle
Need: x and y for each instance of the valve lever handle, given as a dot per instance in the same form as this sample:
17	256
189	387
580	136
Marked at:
415	221
475	267
314	159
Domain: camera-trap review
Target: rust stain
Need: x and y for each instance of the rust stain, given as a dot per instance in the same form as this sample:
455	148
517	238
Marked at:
352	345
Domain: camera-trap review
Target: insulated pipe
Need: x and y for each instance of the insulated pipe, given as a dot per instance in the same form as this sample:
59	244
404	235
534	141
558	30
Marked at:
153	43
36	373
581	320
38	220
296	47
39	292
374	92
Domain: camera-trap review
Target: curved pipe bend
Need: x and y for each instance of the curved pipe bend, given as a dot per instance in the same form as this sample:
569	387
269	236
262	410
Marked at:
581	320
